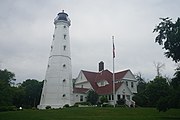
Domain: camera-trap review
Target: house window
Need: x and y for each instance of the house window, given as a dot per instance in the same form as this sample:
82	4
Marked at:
127	83
81	86
102	83
132	84
112	97
64	36
64	26
64	47
118	97
53	36
81	98
109	97
64	95
48	66
64	80
123	96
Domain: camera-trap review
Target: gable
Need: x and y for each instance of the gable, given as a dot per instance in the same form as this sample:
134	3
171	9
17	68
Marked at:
129	76
81	78
124	90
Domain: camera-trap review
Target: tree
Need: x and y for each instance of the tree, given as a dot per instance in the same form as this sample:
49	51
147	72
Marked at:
32	90
18	96
7	77
169	37
175	96
140	98
92	97
6	93
159	66
156	89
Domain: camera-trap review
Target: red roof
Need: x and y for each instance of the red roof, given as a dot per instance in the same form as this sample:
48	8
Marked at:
95	77
80	90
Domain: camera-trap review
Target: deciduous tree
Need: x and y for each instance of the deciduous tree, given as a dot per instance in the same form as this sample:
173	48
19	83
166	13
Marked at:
169	37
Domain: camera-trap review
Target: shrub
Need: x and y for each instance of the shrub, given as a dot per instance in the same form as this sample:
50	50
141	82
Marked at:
8	108
66	106
103	99
107	105
121	102
48	107
81	103
34	108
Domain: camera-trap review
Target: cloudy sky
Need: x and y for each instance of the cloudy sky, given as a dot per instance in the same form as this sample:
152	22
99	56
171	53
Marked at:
26	29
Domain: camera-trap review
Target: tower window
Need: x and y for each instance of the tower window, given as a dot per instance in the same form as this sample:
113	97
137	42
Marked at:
64	47
53	36
64	26
64	66
64	36
48	66
64	80
64	95
51	48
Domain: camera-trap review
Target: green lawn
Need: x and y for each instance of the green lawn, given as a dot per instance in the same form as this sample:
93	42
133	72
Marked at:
92	114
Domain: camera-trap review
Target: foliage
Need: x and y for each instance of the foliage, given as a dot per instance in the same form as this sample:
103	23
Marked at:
26	95
92	97
81	103
7	108
6	79
107	105
156	89
66	106
48	107
121	102
175	96
32	89
140	98
103	99
162	104
169	37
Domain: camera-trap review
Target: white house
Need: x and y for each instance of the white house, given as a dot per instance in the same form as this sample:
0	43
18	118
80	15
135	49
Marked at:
101	83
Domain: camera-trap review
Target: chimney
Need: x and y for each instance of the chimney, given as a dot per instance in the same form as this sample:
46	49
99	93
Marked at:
101	66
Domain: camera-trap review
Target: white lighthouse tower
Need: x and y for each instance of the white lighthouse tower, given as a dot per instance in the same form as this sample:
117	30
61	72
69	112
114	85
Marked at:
57	88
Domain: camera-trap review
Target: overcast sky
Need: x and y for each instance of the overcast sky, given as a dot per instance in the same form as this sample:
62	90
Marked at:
26	30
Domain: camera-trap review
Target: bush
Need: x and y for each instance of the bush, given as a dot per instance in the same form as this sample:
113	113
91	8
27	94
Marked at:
66	106
121	102
81	103
48	107
107	105
8	108
34	108
103	99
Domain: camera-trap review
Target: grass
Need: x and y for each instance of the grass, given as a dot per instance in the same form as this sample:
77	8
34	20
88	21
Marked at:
92	114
